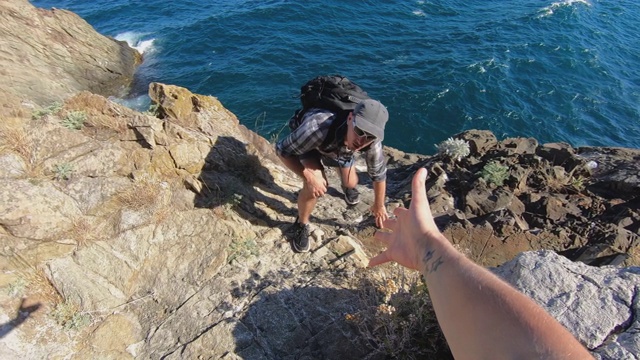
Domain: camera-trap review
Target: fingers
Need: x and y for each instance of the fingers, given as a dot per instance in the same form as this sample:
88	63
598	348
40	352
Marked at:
389	224
399	211
380	219
418	190
384	237
317	190
379	259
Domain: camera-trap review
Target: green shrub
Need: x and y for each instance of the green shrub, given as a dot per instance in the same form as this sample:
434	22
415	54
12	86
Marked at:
17	287
454	148
67	315
74	120
63	171
51	109
495	173
154	110
242	250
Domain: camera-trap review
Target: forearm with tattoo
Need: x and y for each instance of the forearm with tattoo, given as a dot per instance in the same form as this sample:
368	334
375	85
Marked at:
429	265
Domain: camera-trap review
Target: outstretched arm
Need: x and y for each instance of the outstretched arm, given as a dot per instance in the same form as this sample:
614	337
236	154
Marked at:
482	316
378	209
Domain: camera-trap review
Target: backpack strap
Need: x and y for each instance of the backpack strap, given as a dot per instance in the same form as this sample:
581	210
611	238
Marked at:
337	130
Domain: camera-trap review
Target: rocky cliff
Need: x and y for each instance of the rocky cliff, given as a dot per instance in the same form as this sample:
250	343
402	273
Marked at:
165	235
48	55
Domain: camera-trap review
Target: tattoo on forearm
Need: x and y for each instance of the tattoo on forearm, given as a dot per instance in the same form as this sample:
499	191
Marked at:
433	267
428	256
436	265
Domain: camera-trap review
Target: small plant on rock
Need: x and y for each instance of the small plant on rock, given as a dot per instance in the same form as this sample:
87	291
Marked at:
153	110
454	148
242	250
17	287
63	171
74	120
495	173
68	315
51	109
578	183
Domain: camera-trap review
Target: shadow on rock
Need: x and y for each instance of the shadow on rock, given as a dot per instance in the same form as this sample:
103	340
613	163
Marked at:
300	323
232	177
23	314
319	321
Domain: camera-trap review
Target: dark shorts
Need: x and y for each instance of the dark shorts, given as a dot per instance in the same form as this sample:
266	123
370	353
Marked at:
341	162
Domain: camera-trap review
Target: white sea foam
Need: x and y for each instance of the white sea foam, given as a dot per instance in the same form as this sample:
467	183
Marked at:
549	10
401	59
418	13
137	41
442	93
139	103
490	64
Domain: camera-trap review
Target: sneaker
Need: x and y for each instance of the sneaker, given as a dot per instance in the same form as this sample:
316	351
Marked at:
351	196
301	237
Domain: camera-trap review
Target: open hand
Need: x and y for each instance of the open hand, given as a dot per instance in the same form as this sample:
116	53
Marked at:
408	235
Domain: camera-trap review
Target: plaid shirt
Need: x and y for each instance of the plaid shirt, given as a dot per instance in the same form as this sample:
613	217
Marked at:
312	132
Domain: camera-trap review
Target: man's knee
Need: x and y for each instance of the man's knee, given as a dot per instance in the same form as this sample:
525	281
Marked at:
312	164
319	175
316	169
349	177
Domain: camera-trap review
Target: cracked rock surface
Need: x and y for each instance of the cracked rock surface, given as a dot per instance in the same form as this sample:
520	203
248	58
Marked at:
166	235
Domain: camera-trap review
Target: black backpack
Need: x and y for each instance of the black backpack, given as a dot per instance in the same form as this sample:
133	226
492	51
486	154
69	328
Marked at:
335	93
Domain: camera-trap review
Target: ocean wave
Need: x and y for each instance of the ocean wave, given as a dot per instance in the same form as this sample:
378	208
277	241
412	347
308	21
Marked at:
549	10
136	40
442	66
418	13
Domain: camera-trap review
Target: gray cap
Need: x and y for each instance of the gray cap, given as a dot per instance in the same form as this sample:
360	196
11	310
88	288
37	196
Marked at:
371	116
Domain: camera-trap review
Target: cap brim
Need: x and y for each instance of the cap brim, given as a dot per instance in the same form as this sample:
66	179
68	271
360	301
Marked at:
369	128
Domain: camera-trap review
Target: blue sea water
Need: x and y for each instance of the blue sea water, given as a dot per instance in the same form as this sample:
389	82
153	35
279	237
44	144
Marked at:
556	70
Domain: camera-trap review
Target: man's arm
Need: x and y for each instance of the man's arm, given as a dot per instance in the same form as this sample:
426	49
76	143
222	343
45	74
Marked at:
318	187
377	169
378	208
482	316
306	137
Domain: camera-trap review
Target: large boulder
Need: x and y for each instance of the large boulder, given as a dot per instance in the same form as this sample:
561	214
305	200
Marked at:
598	305
48	55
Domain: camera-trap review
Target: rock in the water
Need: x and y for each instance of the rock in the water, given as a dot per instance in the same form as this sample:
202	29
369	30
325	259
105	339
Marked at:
55	53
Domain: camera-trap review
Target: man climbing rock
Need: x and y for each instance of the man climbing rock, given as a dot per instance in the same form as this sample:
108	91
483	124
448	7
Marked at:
321	138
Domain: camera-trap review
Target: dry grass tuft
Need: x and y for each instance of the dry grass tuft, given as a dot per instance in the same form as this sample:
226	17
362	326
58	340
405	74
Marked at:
149	197
14	139
40	283
397	318
36	280
82	231
66	313
101	113
143	194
